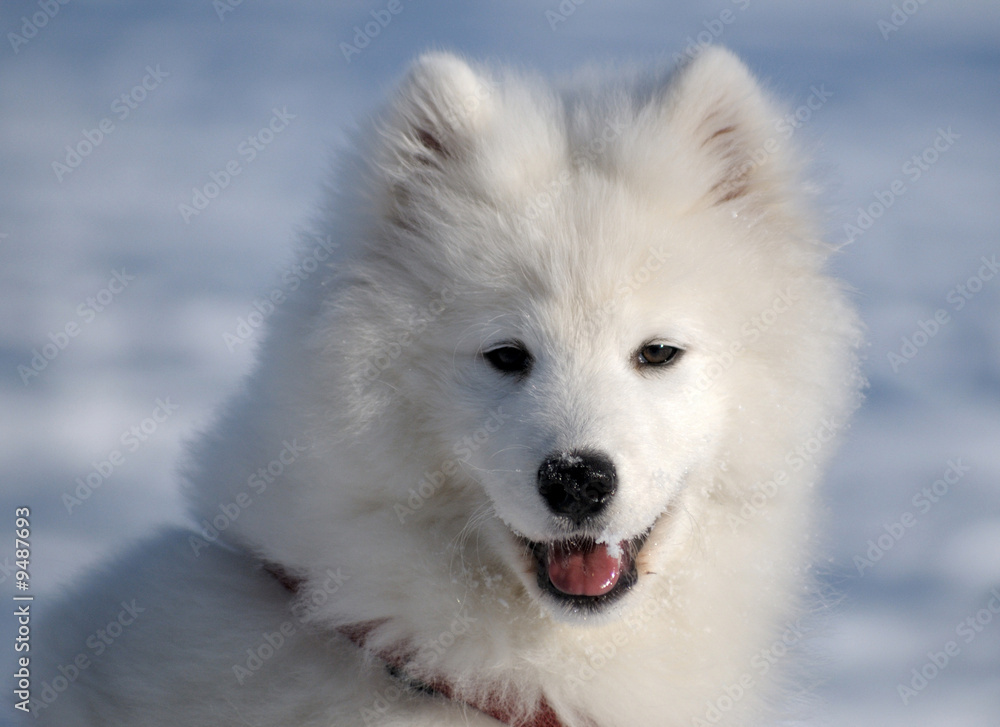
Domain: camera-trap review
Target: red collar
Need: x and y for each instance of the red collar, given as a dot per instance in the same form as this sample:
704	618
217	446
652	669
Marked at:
396	661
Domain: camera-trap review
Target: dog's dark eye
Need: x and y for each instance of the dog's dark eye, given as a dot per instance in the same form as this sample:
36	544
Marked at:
510	358
657	354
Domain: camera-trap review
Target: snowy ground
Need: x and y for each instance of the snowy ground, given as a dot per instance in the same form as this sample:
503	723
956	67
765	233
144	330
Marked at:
215	73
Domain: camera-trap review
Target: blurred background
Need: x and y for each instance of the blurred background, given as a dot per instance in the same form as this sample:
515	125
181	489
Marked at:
117	300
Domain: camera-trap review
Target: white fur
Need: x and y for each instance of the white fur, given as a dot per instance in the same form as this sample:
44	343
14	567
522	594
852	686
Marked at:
480	206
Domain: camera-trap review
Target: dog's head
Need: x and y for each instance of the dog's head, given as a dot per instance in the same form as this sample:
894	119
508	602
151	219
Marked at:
587	301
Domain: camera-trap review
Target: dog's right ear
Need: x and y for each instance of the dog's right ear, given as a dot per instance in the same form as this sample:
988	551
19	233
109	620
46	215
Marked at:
436	112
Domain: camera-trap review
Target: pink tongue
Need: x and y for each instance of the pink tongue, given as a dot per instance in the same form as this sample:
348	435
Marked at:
583	570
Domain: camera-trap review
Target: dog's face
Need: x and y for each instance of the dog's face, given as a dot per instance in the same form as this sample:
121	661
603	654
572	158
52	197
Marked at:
587	263
590	426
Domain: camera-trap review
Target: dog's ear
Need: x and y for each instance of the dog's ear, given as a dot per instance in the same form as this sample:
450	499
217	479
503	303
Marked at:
437	111
723	126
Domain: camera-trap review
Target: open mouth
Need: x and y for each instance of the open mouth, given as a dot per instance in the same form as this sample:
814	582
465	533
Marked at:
585	574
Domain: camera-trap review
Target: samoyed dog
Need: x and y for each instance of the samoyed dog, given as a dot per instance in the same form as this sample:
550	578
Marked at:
533	443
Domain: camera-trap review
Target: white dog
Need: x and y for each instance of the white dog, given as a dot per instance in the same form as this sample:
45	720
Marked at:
532	440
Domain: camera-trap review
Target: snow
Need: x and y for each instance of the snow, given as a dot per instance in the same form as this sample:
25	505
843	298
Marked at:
893	77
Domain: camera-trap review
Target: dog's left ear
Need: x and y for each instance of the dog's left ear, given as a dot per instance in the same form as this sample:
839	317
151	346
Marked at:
722	128
437	111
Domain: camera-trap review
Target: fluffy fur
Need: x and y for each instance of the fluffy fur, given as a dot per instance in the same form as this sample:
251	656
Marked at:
483	208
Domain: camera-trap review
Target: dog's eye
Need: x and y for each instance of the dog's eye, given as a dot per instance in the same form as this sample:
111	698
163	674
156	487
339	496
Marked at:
509	358
657	354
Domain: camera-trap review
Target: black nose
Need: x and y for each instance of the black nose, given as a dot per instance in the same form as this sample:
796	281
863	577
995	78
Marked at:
578	485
